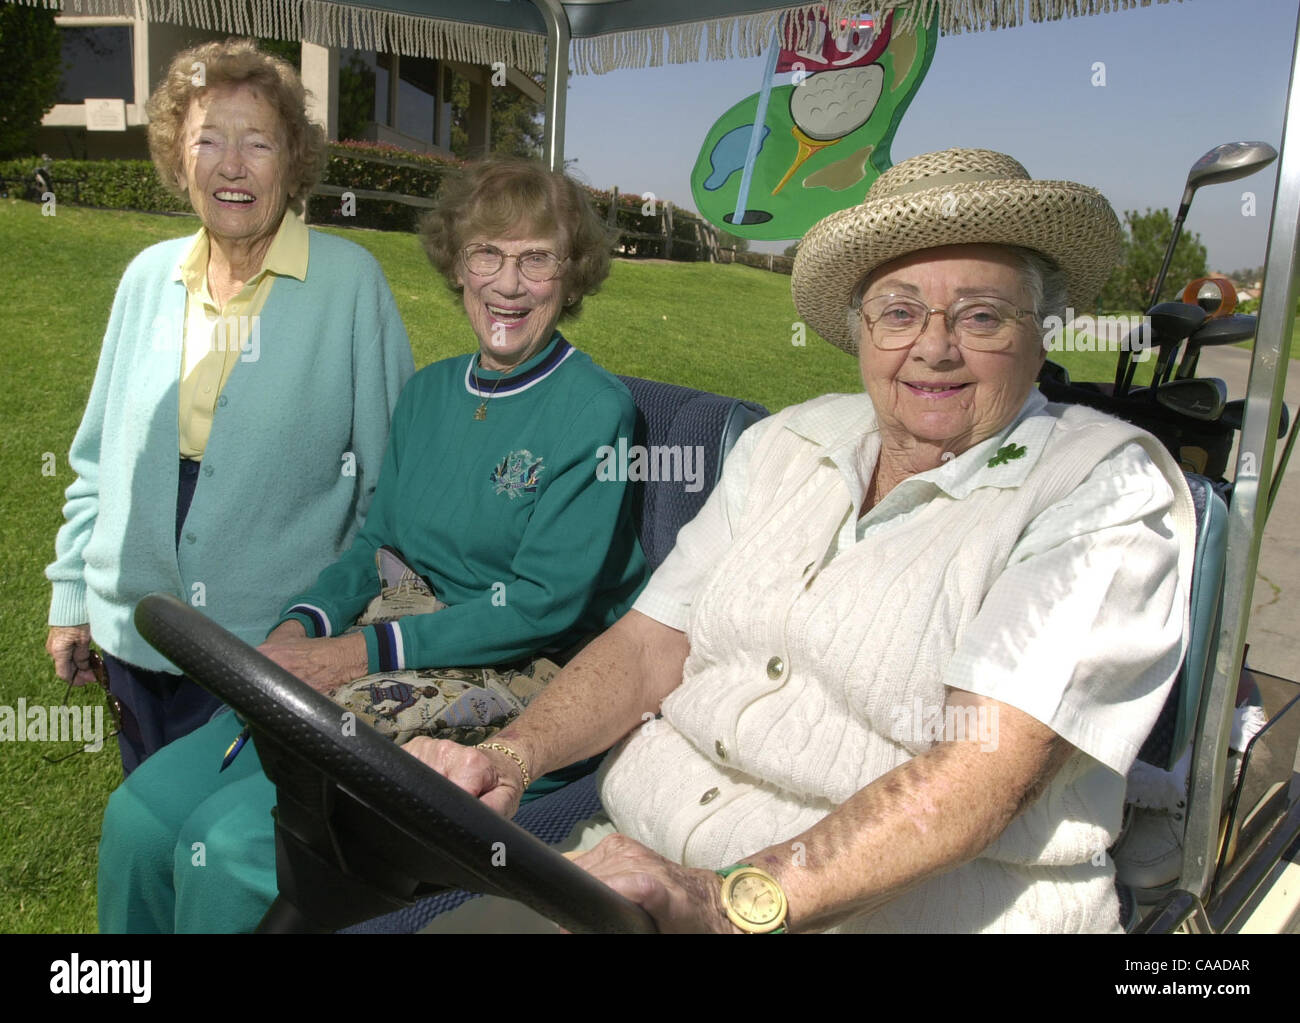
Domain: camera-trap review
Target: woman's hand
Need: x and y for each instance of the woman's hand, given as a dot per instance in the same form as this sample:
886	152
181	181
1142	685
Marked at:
487	775
324	664
288	629
681	900
69	646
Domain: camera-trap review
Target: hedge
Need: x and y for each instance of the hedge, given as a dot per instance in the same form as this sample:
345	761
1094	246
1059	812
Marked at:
115	184
360	166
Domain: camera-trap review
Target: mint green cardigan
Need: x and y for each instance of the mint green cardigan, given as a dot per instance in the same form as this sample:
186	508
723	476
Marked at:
298	437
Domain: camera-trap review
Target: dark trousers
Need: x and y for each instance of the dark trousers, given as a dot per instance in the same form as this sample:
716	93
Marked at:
158	707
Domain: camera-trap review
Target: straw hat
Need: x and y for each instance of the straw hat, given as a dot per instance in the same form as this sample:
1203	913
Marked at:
950	198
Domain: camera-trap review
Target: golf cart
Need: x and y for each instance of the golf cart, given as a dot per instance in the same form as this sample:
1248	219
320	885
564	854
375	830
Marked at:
364	829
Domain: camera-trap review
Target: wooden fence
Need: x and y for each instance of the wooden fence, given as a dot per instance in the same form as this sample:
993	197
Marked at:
642	227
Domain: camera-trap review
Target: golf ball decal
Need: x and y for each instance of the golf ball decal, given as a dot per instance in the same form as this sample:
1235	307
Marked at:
832	104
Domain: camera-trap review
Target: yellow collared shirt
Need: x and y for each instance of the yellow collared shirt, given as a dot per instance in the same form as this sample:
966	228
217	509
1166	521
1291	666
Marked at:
215	338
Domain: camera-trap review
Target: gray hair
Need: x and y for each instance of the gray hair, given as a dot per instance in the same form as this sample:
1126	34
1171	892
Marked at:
1046	283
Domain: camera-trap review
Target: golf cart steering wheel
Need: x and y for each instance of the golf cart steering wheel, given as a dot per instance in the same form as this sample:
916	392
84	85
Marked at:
362	827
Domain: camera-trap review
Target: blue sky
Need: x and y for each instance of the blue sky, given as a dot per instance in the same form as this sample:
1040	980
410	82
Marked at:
1180	79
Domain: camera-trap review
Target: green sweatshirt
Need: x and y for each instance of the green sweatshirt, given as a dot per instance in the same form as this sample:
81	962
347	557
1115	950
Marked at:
504	516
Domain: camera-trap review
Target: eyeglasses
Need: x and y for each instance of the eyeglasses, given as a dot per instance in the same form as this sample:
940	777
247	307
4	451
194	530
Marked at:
114	707
537	265
980	323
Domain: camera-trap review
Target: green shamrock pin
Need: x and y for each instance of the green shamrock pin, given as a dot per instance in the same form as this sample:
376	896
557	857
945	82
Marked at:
1007	453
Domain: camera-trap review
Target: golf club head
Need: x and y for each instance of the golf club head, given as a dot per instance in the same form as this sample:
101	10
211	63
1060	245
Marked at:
1234	414
1170	323
1173	321
1224	330
1202	398
1228	162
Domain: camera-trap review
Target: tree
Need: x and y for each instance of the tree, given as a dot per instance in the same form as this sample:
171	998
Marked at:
31	70
289	51
790	250
516	121
1129	287
726	240
356	97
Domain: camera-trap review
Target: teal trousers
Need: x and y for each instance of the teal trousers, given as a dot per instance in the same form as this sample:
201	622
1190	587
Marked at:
187	848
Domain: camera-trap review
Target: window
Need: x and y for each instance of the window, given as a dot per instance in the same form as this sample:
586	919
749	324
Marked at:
97	63
416	92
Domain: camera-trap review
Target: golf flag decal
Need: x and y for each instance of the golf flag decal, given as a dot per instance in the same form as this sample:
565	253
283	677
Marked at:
825	137
852	44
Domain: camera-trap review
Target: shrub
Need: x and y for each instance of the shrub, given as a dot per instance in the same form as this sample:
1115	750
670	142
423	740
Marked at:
356	166
114	184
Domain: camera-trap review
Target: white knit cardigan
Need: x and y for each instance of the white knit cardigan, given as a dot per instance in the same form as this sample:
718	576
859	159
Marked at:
798	664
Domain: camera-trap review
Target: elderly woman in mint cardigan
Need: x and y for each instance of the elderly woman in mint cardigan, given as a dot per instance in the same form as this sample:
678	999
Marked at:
239	413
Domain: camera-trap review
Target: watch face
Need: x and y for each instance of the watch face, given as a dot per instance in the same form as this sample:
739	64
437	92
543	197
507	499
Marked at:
756	900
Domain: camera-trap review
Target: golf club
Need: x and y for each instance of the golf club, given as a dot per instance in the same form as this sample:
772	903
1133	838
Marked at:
1203	398
1234	414
1170	323
1227	330
1227	162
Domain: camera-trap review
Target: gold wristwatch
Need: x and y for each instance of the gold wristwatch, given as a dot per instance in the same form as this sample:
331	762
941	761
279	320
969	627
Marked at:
753	899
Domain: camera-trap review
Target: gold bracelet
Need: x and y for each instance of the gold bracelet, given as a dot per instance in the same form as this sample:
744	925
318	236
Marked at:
519	761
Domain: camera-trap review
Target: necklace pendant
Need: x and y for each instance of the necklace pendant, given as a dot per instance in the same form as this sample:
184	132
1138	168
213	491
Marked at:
481	411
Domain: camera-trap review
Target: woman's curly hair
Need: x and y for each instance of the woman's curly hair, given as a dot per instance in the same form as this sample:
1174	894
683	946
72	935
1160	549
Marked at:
235	62
509	197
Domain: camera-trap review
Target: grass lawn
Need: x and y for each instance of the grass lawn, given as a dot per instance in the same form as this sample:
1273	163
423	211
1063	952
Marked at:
727	329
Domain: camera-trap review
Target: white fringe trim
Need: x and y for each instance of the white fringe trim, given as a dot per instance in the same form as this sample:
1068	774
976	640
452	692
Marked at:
328	24
744	35
331	24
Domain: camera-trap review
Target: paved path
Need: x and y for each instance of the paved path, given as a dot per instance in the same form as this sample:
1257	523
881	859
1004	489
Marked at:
1274	630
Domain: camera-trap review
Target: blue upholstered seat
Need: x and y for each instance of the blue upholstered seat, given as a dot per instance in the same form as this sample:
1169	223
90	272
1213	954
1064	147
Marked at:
667	415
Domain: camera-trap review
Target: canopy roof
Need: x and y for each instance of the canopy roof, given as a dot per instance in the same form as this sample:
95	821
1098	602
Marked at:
606	34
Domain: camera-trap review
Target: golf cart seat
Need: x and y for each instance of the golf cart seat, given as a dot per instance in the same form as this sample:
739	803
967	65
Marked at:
667	416
1148	854
1172	734
1148	861
681	417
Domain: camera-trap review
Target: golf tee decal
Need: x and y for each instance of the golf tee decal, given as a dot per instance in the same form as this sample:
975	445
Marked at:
822	140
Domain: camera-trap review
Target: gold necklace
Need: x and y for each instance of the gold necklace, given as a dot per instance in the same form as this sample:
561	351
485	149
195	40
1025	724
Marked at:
480	413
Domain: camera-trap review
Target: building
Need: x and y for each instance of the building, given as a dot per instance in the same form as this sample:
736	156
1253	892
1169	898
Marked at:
113	63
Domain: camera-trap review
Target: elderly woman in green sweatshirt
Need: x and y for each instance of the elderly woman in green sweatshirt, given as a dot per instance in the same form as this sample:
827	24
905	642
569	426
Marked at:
489	493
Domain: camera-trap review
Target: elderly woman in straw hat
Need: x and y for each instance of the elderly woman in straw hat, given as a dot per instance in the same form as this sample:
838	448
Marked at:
238	418
909	649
